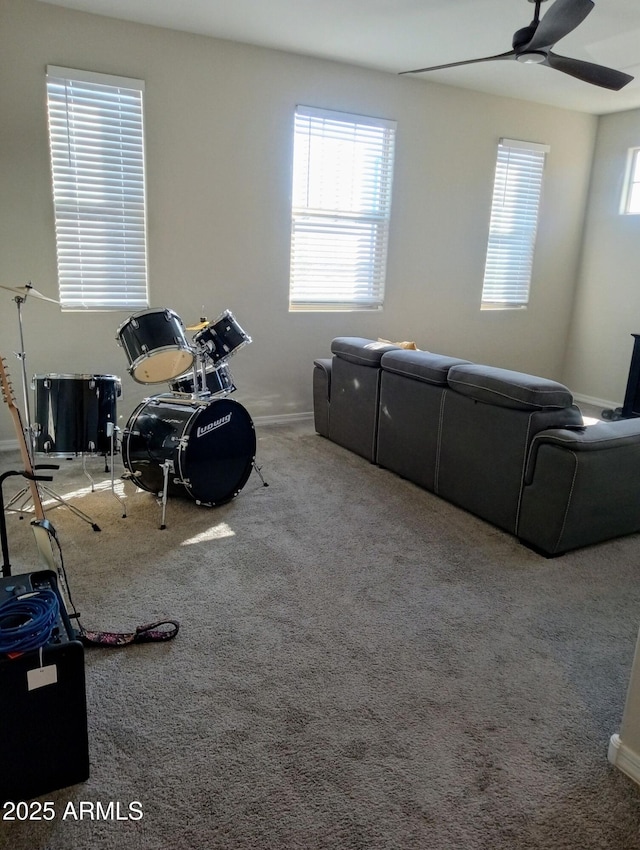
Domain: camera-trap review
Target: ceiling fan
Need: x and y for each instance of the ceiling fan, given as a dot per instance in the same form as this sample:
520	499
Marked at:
533	44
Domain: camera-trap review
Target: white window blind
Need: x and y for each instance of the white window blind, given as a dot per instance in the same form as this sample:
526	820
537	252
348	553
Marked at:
341	204
631	199
514	222
97	158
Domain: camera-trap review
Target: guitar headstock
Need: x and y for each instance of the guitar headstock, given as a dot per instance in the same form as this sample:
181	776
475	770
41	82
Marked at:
7	387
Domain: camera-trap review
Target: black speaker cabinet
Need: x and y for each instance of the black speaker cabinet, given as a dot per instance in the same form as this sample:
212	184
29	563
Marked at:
631	406
43	709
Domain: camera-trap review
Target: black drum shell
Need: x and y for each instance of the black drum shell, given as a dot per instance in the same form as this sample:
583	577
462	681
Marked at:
73	413
218	380
209	445
155	344
222	338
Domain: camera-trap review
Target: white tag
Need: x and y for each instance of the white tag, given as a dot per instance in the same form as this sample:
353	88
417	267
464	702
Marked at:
42	676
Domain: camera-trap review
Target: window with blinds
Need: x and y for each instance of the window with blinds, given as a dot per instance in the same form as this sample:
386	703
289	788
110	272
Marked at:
341	205
97	158
514	222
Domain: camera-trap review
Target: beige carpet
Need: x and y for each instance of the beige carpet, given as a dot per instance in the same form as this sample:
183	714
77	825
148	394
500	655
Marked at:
361	666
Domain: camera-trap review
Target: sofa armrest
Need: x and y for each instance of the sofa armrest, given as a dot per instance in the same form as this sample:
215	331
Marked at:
590	438
582	486
322	394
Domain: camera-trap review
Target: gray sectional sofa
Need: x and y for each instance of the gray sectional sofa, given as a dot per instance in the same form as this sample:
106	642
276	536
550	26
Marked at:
509	447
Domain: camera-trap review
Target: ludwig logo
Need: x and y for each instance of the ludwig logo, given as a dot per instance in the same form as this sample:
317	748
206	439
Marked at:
217	423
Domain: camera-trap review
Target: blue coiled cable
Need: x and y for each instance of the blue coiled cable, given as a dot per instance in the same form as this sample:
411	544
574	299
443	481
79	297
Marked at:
27	621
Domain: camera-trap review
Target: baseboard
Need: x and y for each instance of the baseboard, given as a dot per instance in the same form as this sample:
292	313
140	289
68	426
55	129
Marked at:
8	445
625	759
283	419
597	402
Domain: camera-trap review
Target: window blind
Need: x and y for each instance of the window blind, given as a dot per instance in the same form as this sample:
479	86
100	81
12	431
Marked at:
97	158
513	225
341	204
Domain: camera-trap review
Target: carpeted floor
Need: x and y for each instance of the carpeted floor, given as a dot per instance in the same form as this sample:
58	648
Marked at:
360	666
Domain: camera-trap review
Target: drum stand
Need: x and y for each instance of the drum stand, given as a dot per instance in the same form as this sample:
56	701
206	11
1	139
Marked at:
111	431
166	469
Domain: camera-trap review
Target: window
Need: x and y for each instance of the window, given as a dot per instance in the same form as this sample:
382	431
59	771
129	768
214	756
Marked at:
514	221
97	159
341	204
631	197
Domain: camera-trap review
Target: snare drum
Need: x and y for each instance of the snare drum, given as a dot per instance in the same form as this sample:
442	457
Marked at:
222	338
156	346
210	447
75	414
218	379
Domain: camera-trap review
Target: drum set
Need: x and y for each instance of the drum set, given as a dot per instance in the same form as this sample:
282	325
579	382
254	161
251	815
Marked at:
192	441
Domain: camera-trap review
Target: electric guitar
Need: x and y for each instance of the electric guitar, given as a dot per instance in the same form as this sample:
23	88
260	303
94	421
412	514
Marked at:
43	531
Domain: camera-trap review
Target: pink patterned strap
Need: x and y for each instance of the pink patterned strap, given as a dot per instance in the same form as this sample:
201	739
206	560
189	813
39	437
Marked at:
161	630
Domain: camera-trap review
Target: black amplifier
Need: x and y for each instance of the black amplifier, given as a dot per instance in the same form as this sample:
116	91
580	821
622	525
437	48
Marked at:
43	707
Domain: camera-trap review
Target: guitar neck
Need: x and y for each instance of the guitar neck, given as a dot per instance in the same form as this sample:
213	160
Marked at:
22	441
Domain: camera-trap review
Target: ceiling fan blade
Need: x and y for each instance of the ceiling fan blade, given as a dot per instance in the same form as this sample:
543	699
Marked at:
563	17
510	54
597	75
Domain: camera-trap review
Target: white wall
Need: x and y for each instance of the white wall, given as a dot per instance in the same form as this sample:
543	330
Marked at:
607	308
219	134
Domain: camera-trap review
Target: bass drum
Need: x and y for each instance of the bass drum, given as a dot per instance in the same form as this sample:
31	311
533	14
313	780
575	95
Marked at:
210	447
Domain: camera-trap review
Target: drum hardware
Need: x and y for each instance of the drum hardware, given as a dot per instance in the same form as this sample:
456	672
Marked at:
112	431
167	467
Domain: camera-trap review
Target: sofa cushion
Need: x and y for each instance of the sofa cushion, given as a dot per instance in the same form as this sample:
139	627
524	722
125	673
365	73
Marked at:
505	388
420	365
356	349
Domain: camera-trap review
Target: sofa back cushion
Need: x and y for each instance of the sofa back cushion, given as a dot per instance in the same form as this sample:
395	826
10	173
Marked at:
505	388
357	349
420	365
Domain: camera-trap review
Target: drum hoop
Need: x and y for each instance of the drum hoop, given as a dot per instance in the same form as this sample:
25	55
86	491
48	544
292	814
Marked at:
181	451
56	376
172	398
159	350
148	312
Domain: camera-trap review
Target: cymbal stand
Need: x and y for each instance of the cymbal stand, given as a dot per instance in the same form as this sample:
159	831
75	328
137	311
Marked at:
24	494
22	357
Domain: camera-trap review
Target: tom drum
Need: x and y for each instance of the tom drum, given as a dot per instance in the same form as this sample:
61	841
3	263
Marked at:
222	338
156	346
218	380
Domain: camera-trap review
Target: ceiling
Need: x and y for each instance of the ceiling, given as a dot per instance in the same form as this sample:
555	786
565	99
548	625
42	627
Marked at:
397	35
